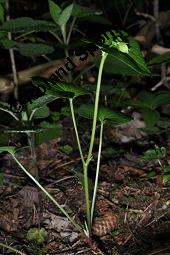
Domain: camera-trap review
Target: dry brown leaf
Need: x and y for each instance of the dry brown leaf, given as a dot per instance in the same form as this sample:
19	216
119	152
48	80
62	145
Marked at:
122	171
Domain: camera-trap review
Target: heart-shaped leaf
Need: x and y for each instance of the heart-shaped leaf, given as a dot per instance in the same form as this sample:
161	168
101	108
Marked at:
124	53
107	114
104	113
124	63
70	88
42	112
49	131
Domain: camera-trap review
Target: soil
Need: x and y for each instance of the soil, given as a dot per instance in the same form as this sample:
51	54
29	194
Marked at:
132	214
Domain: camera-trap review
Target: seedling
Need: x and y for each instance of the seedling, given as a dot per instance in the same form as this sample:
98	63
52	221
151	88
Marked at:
36	109
158	154
133	62
37	235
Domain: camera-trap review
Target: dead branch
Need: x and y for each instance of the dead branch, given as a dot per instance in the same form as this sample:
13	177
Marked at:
44	70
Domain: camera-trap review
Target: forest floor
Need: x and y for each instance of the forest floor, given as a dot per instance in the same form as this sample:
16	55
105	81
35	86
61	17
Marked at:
132	213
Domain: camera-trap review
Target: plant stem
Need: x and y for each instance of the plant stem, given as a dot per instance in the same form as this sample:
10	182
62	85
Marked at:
56	36
104	55
63	31
78	227
11	113
71	29
87	199
12	249
97	172
85	166
75	128
12	56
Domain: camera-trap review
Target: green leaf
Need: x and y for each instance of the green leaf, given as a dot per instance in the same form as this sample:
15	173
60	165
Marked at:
156	153
40	102
49	132
42	112
162	98
123	63
67	149
1	13
74	90
26	24
55	10
65	111
144	100
158	60
50	88
124	52
107	114
37	235
81	11
40	83
136	55
10	149
104	113
65	15
166	178
4	106
150	100
167	168
34	49
96	19
149	155
151	130
150	117
150	174
86	111
7	44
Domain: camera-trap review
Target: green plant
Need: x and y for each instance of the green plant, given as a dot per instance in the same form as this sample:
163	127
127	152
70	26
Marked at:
67	149
37	235
63	23
148	104
117	47
158	154
132	61
35	135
